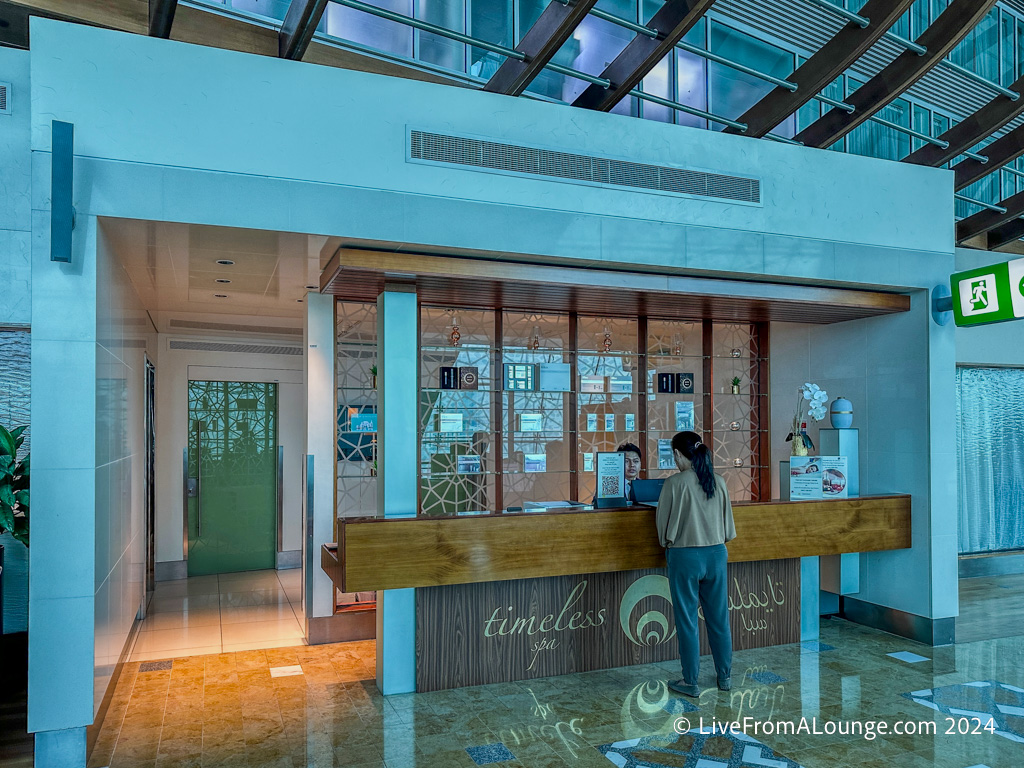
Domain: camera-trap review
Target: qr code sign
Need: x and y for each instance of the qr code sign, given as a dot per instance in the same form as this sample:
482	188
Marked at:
610	486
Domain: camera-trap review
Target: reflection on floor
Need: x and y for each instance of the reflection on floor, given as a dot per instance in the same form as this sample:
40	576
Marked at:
216	614
243	709
990	606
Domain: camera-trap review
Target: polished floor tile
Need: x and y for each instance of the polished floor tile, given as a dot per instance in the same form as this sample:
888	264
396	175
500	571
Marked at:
221	613
229	708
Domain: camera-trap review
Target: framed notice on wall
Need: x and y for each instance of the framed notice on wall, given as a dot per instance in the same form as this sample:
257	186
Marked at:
611	475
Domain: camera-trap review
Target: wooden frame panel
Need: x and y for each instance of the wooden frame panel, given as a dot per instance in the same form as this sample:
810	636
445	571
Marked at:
423	552
358	275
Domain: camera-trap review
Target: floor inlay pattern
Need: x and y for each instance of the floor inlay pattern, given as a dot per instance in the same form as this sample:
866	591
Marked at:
992	704
695	749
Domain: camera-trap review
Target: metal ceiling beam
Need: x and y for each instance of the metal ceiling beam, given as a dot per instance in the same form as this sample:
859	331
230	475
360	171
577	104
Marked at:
298	27
987	220
1006	234
815	74
1003	150
964	135
906	69
161	17
538	45
673	20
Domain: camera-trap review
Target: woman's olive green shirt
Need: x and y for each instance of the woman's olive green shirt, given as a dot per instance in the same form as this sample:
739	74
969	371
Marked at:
688	518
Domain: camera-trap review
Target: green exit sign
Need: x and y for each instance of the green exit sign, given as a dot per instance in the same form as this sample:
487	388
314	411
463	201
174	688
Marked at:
989	294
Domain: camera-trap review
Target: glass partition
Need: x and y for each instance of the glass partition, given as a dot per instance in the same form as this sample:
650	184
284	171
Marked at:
515	406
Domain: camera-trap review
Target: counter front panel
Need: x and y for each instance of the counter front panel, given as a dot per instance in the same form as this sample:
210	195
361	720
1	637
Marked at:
493	632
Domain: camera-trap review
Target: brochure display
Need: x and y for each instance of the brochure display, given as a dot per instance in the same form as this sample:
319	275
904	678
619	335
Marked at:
818	477
555	377
684	415
665	458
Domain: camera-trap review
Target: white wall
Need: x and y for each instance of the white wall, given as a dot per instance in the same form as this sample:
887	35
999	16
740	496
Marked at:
124	336
15	184
898	371
15	274
345	132
63	587
176	368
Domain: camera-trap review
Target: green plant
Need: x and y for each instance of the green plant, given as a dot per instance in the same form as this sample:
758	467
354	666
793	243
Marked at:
735	381
373	370
14	480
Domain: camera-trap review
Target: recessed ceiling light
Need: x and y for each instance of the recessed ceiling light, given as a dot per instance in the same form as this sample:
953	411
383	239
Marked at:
220	295
222	280
226	262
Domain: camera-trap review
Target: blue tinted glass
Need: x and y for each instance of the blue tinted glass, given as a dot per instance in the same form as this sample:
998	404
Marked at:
658	82
922	124
450	14
733	92
1020	48
15	354
979	50
274	9
1007	54
919	18
365	29
691	87
875	140
489	20
591	48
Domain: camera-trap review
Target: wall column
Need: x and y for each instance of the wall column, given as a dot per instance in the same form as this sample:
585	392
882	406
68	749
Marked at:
397	470
321	446
62	558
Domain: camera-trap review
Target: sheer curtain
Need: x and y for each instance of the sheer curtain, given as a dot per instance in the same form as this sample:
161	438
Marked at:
990	458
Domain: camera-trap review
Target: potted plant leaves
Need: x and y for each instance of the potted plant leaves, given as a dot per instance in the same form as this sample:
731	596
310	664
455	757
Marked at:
14	495
735	385
14	478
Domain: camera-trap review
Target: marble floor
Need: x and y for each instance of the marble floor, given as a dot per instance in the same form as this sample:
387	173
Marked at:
222	613
990	606
316	706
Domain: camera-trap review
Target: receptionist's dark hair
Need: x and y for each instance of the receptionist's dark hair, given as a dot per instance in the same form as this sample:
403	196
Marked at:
629	448
689	444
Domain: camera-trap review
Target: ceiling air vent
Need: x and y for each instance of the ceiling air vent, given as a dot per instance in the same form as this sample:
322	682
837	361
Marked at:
497	157
5	98
251	349
198	325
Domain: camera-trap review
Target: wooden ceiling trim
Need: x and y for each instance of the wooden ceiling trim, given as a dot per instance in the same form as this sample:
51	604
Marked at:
360	275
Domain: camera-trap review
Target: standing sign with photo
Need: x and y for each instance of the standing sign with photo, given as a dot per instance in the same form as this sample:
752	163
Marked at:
818	477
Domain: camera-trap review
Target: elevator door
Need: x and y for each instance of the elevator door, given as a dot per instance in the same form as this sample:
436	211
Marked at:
232	467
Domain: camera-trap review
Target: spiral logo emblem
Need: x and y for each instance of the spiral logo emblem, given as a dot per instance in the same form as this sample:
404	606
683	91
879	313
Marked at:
653	627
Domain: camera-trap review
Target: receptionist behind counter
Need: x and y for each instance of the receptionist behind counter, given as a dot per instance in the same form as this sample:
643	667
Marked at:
633	461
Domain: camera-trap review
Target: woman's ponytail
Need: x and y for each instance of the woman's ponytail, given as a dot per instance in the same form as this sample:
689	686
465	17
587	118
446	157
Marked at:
689	444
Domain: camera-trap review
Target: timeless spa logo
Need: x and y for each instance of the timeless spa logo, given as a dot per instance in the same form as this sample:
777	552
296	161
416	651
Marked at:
652	627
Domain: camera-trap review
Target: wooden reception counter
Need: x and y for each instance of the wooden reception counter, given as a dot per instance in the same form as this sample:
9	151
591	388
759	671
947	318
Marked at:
375	553
517	596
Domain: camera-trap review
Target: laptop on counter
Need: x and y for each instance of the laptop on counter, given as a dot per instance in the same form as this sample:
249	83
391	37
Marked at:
648	491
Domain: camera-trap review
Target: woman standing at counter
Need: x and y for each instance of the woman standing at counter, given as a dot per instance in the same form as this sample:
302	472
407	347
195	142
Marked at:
694	521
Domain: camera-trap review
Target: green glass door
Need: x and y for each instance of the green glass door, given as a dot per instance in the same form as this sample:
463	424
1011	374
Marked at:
232	468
